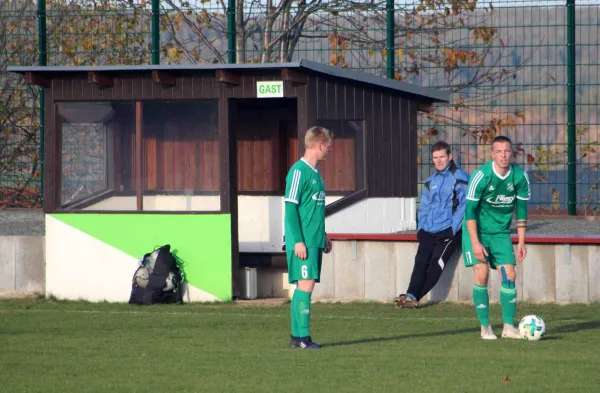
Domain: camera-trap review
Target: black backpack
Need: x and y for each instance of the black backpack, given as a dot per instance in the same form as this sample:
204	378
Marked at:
163	279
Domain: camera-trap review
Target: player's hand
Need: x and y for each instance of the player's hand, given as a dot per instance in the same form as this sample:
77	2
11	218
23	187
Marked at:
479	252
300	250
328	247
521	252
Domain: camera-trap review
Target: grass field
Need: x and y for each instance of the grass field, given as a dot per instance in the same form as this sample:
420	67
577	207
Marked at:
49	346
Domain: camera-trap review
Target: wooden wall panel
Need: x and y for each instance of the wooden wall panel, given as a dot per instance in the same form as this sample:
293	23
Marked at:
185	157
262	139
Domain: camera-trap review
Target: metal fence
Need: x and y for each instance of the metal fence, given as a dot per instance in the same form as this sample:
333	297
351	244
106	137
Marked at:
526	69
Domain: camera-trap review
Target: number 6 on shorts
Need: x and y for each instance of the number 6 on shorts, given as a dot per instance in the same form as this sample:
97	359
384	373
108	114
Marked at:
304	271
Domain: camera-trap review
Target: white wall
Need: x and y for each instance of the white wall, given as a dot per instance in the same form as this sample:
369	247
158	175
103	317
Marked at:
375	215
160	203
261	218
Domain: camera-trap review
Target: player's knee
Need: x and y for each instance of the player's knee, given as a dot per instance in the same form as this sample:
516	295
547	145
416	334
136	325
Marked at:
508	274
481	272
306	285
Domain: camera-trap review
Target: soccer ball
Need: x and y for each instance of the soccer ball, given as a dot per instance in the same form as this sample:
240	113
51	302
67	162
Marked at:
532	327
142	276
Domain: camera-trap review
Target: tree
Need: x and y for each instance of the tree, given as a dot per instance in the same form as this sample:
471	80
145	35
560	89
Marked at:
455	45
80	32
19	120
447	44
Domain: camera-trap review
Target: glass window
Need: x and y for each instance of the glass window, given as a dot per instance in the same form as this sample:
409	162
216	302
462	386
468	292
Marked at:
180	156
96	155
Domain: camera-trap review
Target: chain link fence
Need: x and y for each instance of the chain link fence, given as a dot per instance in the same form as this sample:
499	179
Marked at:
513	68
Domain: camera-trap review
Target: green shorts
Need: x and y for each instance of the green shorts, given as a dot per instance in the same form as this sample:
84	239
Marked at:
307	269
499	248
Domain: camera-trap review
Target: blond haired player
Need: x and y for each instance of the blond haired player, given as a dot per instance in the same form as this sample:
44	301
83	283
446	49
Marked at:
305	237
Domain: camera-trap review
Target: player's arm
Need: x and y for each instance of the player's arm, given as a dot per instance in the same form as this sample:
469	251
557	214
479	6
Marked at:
462	181
292	200
474	194
424	206
523	195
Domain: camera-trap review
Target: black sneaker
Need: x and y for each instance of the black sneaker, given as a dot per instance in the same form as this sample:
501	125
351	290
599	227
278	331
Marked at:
295	342
406	301
305	342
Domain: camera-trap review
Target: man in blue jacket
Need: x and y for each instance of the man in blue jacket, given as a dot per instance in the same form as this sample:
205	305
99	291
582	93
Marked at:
439	222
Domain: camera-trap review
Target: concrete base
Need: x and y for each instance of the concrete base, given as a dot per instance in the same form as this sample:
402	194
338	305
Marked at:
367	270
379	271
22	267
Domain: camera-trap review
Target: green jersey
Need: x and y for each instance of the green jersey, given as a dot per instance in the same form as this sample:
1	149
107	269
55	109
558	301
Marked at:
496	197
304	186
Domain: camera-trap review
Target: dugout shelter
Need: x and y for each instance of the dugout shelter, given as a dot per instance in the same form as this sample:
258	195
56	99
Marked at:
195	156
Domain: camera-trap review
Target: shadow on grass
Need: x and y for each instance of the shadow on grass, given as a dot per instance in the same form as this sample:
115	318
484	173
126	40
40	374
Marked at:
576	327
404	337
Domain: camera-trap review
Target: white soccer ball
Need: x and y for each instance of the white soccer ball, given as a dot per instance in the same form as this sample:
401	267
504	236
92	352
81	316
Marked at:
142	276
532	327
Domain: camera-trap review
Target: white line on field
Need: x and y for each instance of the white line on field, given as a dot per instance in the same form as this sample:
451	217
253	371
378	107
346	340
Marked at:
201	313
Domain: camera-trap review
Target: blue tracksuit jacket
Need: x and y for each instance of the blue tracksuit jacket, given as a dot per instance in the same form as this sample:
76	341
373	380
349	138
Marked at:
443	200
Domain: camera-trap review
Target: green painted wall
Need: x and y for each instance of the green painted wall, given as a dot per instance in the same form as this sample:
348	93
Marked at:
202	241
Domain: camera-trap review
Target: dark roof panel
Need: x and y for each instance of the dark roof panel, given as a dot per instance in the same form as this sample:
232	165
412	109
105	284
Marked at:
426	93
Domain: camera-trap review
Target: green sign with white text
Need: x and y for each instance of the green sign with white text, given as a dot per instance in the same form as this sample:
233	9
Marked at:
269	89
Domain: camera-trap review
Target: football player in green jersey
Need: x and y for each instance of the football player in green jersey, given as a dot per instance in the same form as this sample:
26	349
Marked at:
493	192
305	237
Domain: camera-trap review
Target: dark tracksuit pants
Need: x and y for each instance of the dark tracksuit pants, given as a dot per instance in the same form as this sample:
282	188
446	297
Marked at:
433	254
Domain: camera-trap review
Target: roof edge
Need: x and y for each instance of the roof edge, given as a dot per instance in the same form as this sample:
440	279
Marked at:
423	93
433	94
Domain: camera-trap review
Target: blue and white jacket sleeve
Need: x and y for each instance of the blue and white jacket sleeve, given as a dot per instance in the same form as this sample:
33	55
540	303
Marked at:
462	181
424	205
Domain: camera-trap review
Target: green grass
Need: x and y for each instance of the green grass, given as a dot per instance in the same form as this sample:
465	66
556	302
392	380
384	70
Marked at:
48	346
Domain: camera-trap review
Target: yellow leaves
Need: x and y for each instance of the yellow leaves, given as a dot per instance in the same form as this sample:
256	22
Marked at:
484	34
400	52
371	52
452	58
384	53
178	20
172	53
143	3
398	76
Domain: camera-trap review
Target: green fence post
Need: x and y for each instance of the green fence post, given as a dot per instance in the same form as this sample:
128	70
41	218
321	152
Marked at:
231	33
571	113
42	60
389	42
155	31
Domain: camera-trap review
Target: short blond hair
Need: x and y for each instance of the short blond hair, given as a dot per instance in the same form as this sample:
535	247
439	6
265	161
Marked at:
316	135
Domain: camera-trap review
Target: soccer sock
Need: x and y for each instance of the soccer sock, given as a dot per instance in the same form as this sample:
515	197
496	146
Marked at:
301	305
481	302
508	301
293	318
